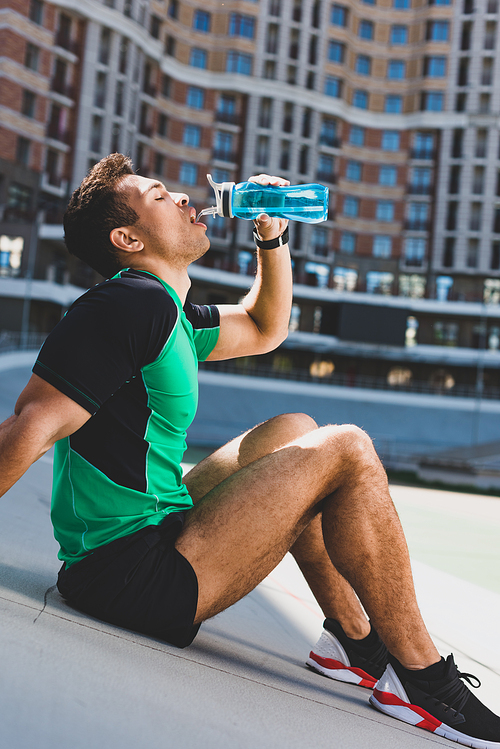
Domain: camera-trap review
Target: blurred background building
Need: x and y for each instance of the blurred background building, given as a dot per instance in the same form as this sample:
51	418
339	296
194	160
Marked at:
391	103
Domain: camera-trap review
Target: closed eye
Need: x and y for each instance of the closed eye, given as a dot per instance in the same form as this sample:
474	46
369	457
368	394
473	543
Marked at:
158	198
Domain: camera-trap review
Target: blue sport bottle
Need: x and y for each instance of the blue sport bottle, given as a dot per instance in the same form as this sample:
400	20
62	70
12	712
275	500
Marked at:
247	200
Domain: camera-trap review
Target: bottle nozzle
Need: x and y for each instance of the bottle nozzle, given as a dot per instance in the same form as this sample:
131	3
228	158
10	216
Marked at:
207	212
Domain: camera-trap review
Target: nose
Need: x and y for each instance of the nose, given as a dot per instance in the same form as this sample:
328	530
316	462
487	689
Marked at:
180	198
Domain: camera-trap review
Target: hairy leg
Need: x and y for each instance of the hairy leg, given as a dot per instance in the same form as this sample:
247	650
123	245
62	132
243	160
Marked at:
332	591
242	528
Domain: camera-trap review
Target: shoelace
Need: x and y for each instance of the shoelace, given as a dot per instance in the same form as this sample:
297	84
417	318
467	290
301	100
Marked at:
456	694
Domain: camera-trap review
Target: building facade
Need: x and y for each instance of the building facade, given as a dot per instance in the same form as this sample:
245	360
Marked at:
391	103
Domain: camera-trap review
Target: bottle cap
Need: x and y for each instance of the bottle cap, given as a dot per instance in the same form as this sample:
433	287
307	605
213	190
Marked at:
223	191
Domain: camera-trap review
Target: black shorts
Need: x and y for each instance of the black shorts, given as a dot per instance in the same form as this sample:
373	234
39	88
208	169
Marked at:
140	582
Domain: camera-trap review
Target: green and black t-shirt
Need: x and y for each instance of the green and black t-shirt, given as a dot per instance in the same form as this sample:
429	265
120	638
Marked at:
128	352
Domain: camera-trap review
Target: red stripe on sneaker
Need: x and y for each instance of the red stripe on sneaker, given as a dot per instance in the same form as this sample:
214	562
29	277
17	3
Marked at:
428	721
332	664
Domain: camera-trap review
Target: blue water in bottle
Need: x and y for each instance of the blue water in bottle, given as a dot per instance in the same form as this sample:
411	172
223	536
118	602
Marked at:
247	200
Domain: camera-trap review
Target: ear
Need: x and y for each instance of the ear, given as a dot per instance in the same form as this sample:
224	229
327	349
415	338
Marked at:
125	238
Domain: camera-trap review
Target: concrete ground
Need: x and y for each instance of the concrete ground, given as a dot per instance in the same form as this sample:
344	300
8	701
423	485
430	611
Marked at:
68	680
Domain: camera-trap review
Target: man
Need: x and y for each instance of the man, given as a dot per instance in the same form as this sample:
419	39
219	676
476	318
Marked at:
114	388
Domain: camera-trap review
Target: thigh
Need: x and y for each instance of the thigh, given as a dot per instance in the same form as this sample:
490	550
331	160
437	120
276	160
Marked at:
263	439
243	527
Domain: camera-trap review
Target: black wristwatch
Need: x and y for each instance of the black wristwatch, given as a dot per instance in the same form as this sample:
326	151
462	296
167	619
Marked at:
271	244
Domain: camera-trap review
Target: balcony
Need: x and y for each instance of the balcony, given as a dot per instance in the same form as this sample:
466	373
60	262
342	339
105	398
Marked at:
64	41
416	225
230	118
62	88
54	132
330	140
325	176
423	154
221	154
419	189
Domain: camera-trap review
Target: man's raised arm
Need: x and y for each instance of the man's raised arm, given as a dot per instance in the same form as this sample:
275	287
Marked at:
42	416
260	323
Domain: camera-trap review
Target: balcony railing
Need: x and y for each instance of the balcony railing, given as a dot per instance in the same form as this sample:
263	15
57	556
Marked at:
340	379
230	118
62	88
221	154
423	154
325	176
419	189
416	225
329	140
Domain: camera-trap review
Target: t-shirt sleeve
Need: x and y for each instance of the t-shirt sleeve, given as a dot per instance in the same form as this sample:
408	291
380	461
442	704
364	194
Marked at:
205	320
105	339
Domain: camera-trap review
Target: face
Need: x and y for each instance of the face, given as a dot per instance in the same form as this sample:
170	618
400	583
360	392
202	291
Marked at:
166	221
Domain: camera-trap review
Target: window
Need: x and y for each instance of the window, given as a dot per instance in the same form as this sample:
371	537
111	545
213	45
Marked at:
23	151
154	30
423	146
351	206
435	67
437	31
188	174
195	97
170	46
240	25
353	171
198	57
226	110
173	9
162	125
401	4
36	11
336	52
333	86
399	35
420	180
378	282
238	62
339	15
159	163
432	101
201	20
418	215
345	279
449	252
328	133
262	151
360	99
363	65
382	246
325	167
390	140
396	70
385	210
393	104
320	241
192	135
223	149
348	243
414	251
32	56
365	30
28	104
275	8
357	135
387	176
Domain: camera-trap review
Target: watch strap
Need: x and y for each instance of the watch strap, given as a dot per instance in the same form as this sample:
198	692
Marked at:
271	244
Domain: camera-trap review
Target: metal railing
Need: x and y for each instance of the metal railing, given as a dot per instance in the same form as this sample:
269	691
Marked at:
340	379
17	341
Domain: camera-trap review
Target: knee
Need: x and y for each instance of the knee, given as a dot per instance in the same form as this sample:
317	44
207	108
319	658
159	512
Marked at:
352	441
296	424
